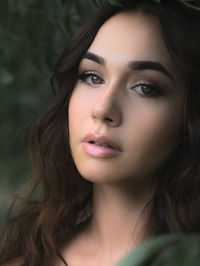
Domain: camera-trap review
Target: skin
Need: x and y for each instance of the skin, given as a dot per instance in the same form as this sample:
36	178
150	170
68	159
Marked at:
144	123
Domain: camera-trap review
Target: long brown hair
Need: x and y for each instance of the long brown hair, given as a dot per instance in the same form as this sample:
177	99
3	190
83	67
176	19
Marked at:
45	224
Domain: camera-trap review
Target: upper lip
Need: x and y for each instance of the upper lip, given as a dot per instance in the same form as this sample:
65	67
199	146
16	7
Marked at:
102	140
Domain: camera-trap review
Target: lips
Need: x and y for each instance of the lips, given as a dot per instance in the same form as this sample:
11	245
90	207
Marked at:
92	138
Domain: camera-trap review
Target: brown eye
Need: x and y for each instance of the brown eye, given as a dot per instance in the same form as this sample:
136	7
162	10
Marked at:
91	79
95	79
147	90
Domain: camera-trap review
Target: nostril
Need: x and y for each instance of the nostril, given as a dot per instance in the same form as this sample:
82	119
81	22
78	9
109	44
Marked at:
111	117
108	119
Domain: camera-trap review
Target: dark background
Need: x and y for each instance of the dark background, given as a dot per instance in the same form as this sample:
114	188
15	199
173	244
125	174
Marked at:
33	33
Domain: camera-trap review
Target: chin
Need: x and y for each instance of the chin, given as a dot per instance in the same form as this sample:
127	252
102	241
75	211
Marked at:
96	176
104	176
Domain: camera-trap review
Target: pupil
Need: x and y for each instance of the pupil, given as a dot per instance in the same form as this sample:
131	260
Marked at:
95	80
146	89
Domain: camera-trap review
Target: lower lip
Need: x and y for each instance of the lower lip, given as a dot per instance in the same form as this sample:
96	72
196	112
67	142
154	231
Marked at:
99	151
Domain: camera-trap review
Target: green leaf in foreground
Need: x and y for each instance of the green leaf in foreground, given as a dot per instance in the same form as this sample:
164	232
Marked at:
168	250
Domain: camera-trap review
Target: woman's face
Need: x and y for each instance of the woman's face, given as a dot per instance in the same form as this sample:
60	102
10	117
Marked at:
129	90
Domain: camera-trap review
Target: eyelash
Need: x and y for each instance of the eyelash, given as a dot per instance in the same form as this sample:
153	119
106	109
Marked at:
83	77
155	89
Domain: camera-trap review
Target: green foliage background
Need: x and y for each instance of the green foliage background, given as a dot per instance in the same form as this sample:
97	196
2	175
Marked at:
33	33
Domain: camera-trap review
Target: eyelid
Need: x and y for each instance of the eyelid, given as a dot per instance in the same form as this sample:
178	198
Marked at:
148	83
144	81
89	72
156	88
85	74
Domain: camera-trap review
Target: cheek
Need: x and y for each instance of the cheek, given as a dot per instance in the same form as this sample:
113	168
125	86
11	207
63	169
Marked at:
76	111
73	118
160	133
78	114
155	134
159	125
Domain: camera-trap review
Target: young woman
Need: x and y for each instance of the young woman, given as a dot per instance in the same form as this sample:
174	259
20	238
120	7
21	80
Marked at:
117	154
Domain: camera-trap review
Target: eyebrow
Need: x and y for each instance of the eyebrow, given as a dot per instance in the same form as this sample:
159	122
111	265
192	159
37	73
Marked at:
135	65
91	56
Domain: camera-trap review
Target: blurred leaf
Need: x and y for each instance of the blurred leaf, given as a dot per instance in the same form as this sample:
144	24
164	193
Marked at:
6	76
167	250
186	252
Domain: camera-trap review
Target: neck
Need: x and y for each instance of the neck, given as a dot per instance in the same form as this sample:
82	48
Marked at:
118	219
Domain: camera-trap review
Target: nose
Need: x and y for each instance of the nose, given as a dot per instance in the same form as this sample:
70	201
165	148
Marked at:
106	108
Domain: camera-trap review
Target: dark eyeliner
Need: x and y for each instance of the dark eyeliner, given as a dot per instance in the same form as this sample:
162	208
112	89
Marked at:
86	74
156	91
89	74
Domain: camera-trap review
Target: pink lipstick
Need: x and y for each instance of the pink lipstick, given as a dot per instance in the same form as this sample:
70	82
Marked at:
100	146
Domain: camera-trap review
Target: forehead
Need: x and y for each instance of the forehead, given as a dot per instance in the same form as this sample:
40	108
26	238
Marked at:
131	34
